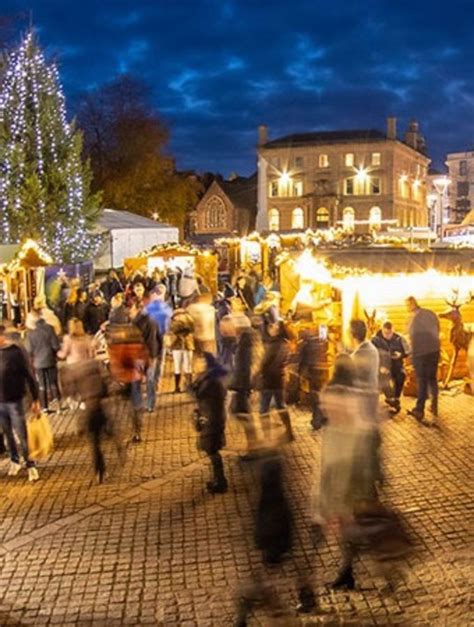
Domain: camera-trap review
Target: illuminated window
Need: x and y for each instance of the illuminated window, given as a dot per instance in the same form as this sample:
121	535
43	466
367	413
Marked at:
375	218
376	158
215	216
348	219
274	220
404	186
374	184
297	188
323	161
322	218
273	189
297	218
349	159
349	186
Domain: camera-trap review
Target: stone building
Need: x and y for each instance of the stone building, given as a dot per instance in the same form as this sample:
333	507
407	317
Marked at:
461	191
360	179
228	208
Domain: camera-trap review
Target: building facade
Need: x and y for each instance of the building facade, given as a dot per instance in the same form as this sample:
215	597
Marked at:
461	191
360	180
228	208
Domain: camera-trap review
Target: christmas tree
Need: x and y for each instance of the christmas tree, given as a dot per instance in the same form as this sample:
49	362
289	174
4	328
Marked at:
44	185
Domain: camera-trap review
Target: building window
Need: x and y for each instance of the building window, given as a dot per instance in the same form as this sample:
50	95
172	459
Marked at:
375	218
323	161
299	163
349	186
322	218
376	158
215	216
274	220
297	188
374	182
404	186
349	159
463	168
348	219
462	189
273	189
297	218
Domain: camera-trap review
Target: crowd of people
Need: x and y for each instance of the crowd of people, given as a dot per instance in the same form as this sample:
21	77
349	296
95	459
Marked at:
114	339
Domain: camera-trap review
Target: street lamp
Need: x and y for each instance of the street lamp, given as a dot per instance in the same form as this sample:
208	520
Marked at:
431	202
441	185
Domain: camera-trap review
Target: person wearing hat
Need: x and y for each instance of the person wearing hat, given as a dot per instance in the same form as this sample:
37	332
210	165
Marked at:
48	315
211	393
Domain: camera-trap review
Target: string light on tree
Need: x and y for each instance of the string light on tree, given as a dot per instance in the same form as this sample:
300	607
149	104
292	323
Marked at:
44	185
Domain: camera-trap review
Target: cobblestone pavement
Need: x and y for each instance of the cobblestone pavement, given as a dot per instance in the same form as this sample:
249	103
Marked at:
151	547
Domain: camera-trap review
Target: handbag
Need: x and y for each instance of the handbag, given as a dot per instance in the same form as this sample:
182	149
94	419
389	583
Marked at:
40	437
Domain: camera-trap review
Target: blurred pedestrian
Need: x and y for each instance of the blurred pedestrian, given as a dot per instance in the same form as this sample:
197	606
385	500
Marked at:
42	345
210	393
272	379
152	341
423	329
42	309
244	292
111	286
15	378
158	309
204	317
180	341
118	313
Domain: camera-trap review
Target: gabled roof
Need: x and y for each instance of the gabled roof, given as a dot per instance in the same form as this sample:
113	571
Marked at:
112	219
325	137
241	191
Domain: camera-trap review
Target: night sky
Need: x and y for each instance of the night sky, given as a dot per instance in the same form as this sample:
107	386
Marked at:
218	68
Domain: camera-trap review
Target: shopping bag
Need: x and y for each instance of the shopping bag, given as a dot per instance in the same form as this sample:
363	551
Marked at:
40	437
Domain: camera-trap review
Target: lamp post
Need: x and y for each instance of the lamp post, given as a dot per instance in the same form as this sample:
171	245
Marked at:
431	203
441	185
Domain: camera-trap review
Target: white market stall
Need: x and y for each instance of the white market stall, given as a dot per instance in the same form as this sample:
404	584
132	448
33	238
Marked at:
127	234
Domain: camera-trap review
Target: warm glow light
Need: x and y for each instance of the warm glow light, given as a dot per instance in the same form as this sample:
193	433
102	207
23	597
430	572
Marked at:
361	174
416	183
431	199
285	178
155	215
441	184
308	268
403	177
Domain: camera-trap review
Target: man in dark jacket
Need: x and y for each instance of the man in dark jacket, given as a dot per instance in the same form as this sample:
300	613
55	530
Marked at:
152	340
211	394
96	313
42	344
111	286
15	377
392	350
275	359
423	329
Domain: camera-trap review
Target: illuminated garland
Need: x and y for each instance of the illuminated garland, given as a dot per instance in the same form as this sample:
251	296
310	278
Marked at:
44	187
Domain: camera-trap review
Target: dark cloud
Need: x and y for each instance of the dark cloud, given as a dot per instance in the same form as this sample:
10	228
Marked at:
218	68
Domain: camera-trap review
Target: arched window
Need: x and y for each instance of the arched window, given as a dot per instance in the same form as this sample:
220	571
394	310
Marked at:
215	216
375	218
322	218
274	220
348	219
297	218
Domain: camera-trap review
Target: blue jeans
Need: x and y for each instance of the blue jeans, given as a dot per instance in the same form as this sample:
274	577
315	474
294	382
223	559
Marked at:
152	376
13	420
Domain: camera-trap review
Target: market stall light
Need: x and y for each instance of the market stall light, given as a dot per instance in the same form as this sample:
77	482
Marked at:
309	268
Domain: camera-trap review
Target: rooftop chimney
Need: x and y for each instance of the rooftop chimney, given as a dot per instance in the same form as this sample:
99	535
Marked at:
391	128
262	134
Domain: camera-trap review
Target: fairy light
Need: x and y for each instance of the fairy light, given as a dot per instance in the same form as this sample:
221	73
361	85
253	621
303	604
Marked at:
38	141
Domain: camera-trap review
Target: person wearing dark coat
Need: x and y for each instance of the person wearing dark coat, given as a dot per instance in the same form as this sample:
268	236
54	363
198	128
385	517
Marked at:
111	286
245	368
153	343
42	344
393	349
311	350
210	393
96	313
272	376
244	292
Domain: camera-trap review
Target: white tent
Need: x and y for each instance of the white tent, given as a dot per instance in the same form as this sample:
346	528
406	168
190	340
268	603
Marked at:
127	234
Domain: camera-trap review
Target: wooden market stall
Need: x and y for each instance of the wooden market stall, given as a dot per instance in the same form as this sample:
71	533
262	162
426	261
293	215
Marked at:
22	272
203	263
329	287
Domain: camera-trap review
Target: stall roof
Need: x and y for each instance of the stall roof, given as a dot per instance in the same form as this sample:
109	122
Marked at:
112	219
386	260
